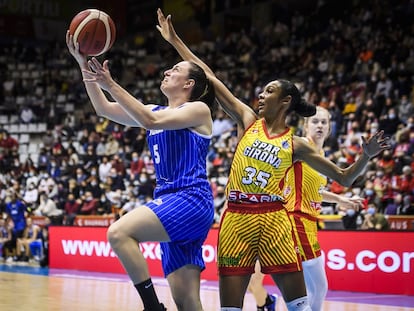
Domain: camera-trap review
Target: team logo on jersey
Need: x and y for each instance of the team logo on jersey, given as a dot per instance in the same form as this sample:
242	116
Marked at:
287	191
155	132
157	201
285	144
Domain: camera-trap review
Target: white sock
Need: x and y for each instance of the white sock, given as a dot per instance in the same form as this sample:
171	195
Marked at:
299	304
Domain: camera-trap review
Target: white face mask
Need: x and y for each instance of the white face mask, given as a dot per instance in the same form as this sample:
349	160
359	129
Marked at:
350	212
371	210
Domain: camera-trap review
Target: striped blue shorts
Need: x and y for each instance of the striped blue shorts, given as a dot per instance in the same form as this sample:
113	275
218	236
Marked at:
187	216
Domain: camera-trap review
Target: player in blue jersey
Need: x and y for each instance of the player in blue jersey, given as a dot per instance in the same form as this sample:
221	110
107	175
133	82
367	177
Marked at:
182	211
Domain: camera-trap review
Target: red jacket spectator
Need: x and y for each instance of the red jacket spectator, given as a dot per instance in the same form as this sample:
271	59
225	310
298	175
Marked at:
8	142
89	205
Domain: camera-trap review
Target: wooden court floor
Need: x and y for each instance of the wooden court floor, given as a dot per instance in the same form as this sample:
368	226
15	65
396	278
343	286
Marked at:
32	288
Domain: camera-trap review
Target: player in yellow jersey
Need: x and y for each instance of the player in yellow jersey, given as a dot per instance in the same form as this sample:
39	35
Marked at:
256	226
304	191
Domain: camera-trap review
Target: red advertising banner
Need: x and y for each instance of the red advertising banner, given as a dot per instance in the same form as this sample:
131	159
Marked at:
375	262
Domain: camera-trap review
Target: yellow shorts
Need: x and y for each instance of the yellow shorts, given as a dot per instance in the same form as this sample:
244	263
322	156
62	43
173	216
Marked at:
256	231
306	234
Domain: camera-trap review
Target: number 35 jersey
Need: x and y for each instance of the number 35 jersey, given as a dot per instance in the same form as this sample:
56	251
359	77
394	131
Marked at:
259	165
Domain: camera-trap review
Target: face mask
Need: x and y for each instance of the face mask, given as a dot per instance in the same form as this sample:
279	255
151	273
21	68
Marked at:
369	192
350	212
371	210
391	116
135	159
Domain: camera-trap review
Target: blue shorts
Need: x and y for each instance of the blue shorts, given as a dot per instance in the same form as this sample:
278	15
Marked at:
36	248
187	216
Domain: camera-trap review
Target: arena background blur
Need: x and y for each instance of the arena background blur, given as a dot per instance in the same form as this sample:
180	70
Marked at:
355	58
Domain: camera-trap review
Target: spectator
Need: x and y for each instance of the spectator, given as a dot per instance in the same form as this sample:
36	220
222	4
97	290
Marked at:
58	150
5	237
31	196
8	143
389	122
146	185
26	114
407	206
104	169
81	176
135	166
74	188
104	206
222	124
129	205
31	234
373	220
350	219
43	159
406	184
393	205
73	159
48	141
100	147
53	169
118	164
92	185
47	207
90	159
32	176
89	205
405	109
111	146
116	179
17	212
71	209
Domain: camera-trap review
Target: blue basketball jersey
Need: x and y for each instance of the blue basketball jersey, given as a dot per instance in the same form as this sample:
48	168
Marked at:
179	158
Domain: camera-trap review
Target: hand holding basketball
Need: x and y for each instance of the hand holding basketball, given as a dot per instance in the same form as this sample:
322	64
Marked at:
94	31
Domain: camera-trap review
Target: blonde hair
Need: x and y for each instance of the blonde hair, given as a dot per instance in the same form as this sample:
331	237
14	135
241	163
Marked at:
306	120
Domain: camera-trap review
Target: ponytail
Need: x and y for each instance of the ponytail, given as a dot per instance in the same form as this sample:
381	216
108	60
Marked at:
305	109
203	89
297	104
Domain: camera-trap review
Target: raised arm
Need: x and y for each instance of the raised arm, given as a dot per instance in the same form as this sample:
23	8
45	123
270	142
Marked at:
242	114
371	148
126	109
103	107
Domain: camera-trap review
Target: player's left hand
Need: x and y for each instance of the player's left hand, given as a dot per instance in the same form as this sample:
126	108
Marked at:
165	27
98	73
375	144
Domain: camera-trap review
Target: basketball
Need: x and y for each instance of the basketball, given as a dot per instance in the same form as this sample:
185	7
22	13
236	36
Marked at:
94	30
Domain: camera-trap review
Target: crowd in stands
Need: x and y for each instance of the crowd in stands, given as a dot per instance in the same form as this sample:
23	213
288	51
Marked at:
359	65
